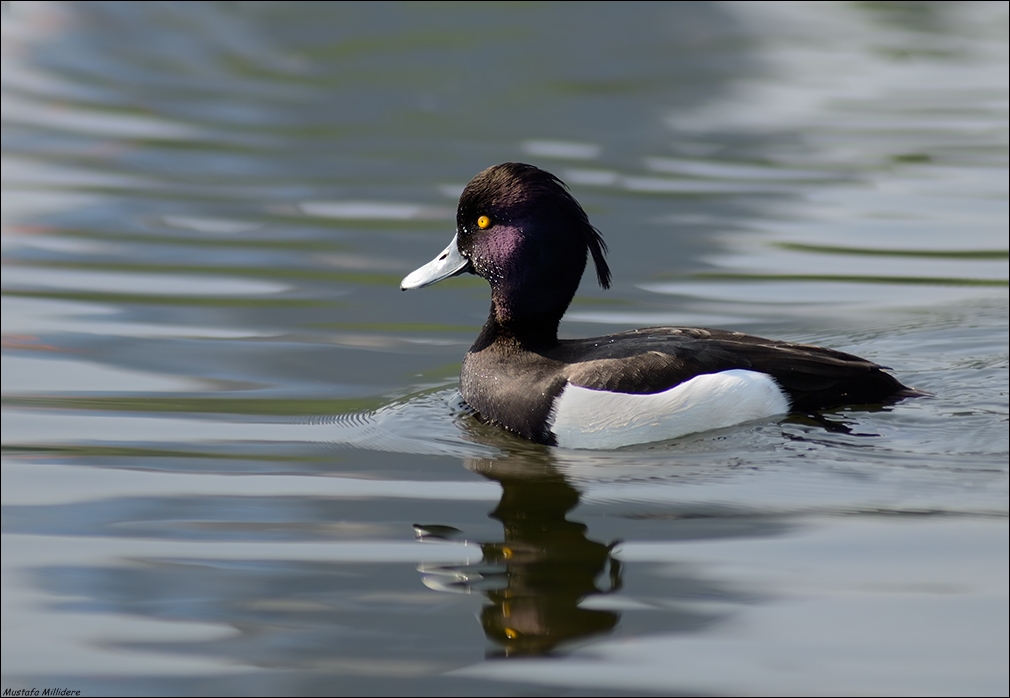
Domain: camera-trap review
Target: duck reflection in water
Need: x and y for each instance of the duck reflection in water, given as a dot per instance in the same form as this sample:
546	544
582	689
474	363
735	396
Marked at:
537	577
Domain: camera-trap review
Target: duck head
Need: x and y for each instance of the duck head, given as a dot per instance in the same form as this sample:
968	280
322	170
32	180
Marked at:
518	227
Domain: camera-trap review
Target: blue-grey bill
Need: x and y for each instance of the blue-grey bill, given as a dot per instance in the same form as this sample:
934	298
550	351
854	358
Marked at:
448	263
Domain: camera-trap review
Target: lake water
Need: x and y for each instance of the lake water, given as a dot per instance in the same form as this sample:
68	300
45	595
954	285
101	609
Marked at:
234	457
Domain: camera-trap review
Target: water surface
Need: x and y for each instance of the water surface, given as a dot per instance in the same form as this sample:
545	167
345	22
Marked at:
234	457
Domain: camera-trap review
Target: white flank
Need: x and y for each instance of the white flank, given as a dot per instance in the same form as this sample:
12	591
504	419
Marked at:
584	418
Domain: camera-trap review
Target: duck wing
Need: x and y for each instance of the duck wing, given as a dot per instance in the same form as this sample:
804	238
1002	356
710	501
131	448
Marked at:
652	360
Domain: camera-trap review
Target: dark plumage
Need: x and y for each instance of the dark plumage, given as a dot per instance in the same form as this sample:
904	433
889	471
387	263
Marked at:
519	228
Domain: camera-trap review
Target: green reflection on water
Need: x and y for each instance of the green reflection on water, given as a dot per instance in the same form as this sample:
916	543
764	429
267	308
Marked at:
161	299
353	277
190	238
394	326
300	407
931	254
86	450
854	278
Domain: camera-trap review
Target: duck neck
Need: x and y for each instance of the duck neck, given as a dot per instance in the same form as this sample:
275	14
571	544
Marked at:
535	333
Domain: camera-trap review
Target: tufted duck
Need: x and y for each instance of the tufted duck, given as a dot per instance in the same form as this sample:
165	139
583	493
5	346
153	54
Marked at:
518	227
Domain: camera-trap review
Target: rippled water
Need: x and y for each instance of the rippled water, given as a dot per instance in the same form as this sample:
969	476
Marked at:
234	458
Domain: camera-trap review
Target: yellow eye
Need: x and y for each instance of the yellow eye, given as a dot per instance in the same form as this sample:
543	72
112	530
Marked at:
483	222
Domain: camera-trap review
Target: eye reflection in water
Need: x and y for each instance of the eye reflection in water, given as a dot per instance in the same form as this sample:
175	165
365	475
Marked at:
537	576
